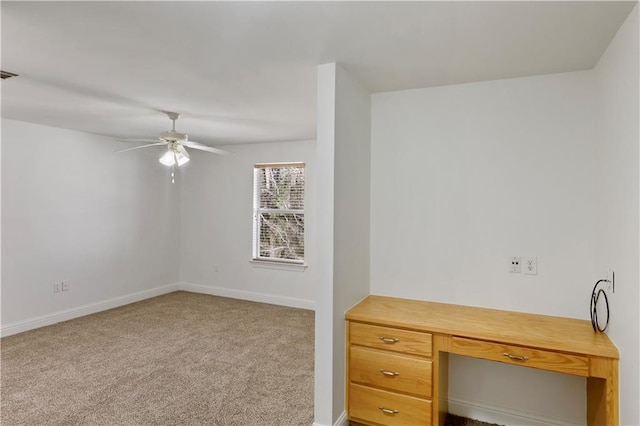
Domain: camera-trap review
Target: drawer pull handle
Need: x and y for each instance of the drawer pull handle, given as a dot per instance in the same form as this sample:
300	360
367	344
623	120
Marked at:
388	411
515	357
390	373
391	340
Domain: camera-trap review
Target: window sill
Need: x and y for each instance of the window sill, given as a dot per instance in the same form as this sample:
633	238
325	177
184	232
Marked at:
282	266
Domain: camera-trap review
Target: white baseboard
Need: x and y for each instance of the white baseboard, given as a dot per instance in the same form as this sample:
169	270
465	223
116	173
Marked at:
91	308
248	295
502	415
342	421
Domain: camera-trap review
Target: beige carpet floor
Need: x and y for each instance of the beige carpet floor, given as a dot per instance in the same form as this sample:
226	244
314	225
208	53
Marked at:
177	359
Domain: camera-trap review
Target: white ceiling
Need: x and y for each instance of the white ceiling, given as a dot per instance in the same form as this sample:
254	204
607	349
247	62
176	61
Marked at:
245	71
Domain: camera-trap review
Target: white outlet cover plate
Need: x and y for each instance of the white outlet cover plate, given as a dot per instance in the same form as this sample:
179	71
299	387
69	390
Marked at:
515	265
530	265
610	277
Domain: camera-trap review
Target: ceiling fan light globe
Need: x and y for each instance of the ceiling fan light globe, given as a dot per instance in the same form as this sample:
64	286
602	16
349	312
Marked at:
181	154
168	159
182	159
182	151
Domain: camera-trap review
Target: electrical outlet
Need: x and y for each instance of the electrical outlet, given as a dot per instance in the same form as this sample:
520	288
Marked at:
531	265
515	264
610	276
57	287
65	286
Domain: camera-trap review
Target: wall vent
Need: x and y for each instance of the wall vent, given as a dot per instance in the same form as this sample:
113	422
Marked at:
7	74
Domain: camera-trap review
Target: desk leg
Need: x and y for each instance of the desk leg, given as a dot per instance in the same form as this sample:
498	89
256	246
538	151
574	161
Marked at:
440	379
602	393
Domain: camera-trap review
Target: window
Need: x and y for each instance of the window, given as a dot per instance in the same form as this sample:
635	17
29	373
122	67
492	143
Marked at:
278	212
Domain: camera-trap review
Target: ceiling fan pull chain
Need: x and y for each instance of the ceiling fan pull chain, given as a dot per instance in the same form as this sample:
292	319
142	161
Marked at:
173	167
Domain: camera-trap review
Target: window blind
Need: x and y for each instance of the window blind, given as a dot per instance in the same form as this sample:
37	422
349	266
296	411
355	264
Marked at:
278	230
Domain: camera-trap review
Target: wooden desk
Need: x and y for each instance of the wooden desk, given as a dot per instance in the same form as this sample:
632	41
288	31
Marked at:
397	356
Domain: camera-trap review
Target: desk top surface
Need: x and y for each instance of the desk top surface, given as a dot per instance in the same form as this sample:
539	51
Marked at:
532	330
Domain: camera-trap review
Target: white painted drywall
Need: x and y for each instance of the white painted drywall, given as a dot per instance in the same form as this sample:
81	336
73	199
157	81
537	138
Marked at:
1	322
464	176
325	165
351	242
343	159
74	210
617	75
217	215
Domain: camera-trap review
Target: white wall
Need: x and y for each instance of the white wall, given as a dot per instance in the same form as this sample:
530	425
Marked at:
343	158
74	210
463	177
1	303
325	161
110	225
217	213
351	242
617	75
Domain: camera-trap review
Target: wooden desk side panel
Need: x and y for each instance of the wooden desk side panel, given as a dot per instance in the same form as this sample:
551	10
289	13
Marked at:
602	393
440	399
346	363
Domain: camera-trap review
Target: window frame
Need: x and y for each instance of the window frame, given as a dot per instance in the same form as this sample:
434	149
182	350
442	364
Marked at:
257	211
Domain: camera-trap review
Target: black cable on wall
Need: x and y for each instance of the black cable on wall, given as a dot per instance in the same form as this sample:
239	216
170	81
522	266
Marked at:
595	297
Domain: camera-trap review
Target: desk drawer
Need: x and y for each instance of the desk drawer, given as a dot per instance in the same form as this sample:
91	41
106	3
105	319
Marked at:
367	404
393	339
391	371
517	355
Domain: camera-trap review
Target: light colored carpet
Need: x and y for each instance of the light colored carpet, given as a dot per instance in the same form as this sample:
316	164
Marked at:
178	359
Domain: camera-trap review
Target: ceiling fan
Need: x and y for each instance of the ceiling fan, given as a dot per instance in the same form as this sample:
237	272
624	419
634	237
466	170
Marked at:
176	154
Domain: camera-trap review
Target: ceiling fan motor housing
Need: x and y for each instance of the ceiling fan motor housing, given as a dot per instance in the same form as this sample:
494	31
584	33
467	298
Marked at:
173	136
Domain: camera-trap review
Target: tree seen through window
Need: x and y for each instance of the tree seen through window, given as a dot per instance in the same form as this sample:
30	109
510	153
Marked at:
279	212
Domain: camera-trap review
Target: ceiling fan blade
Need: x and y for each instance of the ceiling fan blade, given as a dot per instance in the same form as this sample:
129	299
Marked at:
196	145
141	146
138	140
